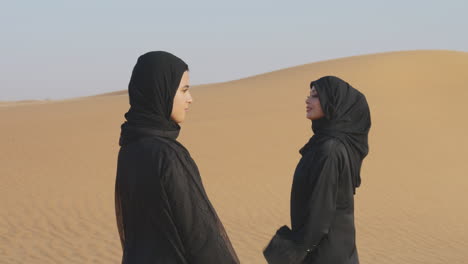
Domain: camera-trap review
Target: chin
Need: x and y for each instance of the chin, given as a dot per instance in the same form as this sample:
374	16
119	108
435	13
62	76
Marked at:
313	117
178	119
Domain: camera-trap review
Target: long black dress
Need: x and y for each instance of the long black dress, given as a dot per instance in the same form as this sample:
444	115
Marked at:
322	196
163	213
322	203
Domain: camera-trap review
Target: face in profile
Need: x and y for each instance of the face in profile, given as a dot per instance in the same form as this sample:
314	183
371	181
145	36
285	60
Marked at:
313	107
182	99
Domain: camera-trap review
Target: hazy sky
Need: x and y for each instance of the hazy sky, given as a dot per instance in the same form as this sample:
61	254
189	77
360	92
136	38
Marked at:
62	49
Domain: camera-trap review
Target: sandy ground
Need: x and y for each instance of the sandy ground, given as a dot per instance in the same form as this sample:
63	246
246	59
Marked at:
58	162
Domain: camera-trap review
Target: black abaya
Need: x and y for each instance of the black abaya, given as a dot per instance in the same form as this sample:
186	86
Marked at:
163	212
322	196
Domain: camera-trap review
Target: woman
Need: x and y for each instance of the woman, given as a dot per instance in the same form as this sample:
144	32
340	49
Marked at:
163	212
325	181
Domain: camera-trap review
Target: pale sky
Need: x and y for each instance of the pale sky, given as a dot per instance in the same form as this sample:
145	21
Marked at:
63	49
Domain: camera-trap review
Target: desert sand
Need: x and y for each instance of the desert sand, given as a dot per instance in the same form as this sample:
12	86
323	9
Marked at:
58	162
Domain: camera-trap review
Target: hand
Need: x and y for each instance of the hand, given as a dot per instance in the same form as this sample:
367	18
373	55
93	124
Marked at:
282	249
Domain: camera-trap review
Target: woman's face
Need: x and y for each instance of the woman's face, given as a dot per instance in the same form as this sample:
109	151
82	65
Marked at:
182	99
313	107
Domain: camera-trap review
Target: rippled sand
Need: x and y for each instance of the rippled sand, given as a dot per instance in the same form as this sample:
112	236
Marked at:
58	159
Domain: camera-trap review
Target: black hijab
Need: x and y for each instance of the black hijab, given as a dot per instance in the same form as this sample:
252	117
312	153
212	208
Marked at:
153	85
347	118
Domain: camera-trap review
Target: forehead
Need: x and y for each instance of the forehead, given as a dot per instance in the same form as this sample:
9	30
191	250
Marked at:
312	89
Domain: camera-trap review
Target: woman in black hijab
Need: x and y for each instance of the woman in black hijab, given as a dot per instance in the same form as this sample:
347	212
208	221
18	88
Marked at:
163	212
325	181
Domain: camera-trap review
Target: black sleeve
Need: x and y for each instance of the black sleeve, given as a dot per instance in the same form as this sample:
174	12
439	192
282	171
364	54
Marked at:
322	202
289	246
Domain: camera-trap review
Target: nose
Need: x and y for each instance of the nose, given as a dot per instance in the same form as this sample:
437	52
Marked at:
189	99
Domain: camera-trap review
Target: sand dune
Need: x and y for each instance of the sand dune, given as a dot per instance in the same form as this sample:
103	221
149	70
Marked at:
58	158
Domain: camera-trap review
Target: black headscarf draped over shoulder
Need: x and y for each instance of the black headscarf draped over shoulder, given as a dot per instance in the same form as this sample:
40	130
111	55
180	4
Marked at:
347	118
153	85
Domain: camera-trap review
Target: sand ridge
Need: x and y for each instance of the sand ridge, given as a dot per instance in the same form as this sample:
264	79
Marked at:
58	161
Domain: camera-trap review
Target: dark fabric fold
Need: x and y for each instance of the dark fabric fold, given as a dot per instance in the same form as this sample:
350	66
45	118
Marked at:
283	248
129	134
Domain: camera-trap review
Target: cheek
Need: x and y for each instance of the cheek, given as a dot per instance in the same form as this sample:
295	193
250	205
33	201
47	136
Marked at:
177	103
315	103
319	110
319	107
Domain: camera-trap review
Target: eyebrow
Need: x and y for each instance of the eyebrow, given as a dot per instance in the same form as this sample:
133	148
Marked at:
186	86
